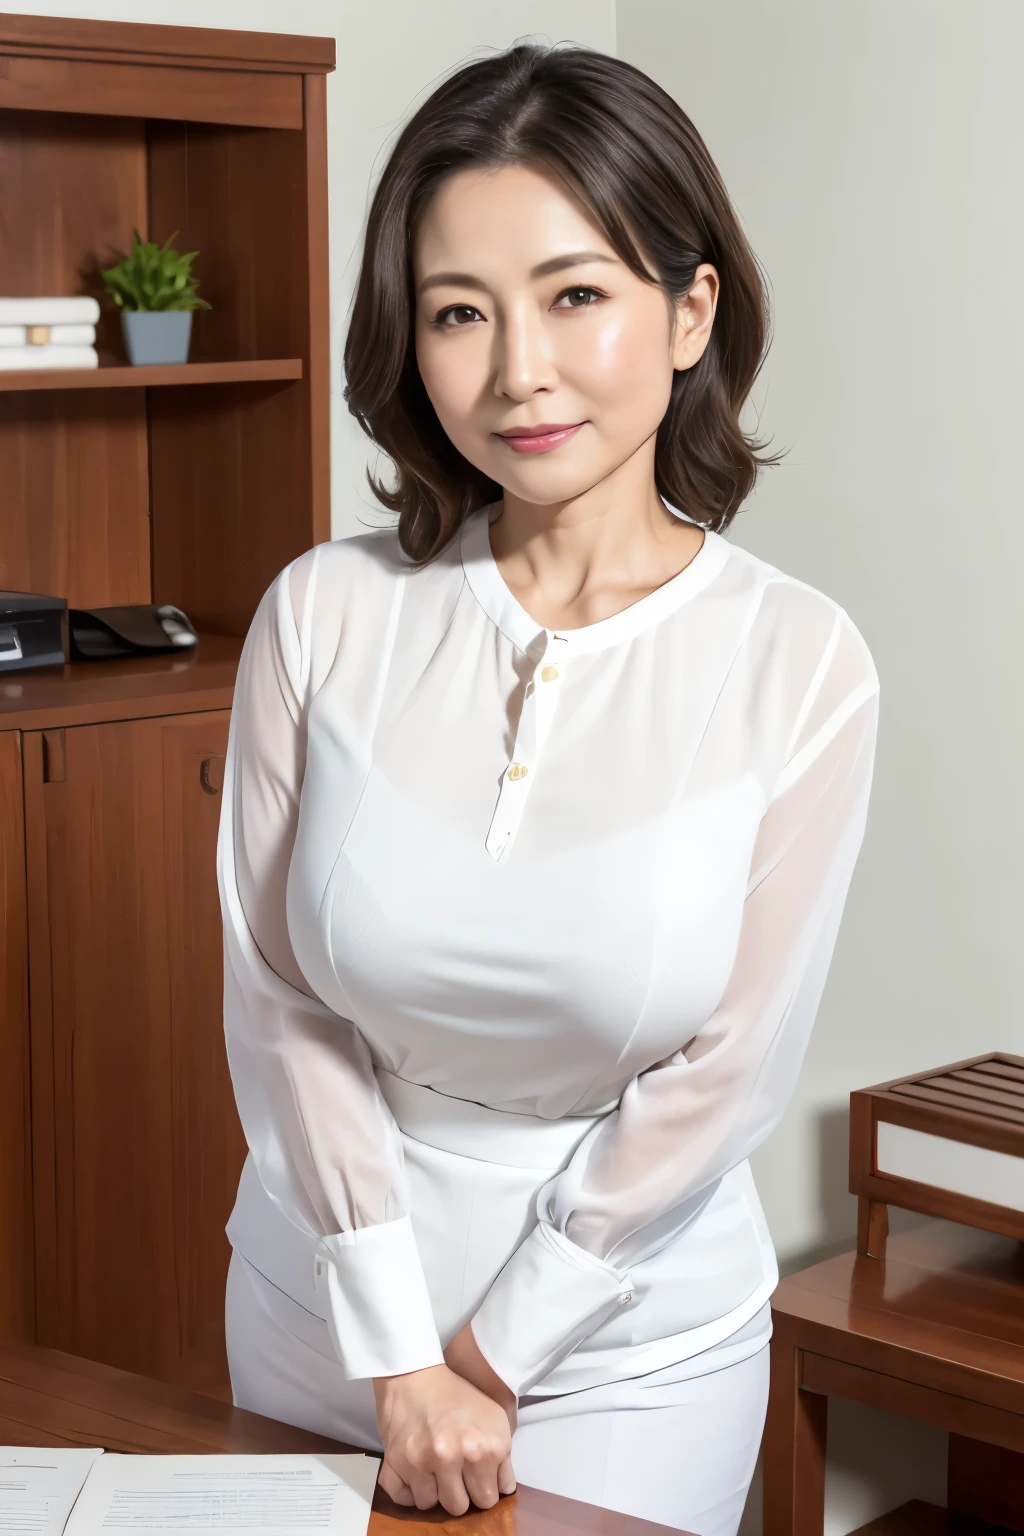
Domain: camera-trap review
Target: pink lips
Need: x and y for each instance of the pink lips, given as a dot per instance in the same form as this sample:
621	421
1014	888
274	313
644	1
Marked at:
539	439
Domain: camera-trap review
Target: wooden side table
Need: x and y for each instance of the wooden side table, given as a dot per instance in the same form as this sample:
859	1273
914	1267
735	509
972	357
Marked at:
48	1397
933	1329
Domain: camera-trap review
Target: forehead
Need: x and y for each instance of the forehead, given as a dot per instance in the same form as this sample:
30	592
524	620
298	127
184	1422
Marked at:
486	220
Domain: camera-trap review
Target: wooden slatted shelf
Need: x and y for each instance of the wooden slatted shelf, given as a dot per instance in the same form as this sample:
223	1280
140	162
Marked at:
947	1142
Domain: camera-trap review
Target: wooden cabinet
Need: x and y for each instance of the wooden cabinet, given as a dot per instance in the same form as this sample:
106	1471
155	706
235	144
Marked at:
120	1147
135	1120
17	1299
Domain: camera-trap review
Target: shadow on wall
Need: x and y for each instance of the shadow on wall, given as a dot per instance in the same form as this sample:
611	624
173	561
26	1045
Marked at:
836	1207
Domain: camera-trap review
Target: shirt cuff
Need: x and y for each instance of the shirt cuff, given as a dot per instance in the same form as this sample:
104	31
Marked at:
549	1297
378	1307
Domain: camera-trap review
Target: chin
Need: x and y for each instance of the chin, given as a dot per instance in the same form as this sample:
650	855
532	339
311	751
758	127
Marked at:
544	485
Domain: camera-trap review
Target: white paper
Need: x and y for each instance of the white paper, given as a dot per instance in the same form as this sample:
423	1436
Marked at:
269	1495
38	1486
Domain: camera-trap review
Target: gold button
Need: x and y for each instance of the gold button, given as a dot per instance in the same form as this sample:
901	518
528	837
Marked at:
518	771
549	674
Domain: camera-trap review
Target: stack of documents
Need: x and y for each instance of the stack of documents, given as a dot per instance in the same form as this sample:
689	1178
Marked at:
48	333
58	1492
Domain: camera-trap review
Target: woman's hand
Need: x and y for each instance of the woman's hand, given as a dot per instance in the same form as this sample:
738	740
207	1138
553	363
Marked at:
464	1357
445	1442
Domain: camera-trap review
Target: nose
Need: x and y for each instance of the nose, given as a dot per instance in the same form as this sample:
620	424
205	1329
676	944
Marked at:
523	361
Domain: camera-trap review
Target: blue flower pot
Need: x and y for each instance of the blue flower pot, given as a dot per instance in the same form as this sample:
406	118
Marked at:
156	336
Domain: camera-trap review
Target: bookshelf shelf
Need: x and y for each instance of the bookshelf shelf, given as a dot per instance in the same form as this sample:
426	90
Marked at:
120	1146
124	376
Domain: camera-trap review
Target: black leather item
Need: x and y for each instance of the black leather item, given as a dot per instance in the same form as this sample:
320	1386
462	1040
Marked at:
142	629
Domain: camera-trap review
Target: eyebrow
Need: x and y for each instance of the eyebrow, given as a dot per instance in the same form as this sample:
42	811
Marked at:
543	269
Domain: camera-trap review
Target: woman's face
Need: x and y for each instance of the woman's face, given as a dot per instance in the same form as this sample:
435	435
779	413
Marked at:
528	321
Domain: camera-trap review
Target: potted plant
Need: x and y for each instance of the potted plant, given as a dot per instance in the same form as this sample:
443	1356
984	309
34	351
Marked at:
156	293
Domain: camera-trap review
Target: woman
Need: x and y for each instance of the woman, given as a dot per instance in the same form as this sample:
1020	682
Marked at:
540	813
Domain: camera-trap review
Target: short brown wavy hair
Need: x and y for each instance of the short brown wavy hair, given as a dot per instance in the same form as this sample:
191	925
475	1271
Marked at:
633	158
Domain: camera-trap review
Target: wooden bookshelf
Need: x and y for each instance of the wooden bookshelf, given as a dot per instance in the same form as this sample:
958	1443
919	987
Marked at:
120	376
88	692
193	485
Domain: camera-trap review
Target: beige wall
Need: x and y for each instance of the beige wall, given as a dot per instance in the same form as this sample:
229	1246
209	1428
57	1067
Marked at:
875	154
390	53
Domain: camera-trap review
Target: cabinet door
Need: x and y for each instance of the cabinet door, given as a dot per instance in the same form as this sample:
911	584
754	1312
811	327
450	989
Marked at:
135	1116
17	1301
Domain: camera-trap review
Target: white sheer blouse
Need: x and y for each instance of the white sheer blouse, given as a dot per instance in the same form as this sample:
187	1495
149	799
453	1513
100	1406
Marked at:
597	870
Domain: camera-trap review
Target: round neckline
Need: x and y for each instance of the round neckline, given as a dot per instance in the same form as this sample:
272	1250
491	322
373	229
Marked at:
504	609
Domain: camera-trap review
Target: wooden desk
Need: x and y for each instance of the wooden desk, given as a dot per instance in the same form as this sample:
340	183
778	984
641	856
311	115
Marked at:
51	1398
934	1330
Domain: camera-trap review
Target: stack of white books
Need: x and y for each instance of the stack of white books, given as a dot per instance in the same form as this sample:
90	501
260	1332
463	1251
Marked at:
48	333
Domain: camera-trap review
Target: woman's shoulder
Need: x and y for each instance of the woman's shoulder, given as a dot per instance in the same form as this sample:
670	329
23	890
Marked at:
798	623
347	585
373	556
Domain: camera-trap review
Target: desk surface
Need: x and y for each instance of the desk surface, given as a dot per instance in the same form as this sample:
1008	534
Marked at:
947	1299
50	1398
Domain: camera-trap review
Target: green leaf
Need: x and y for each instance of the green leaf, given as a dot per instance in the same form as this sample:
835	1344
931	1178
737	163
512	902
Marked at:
154	277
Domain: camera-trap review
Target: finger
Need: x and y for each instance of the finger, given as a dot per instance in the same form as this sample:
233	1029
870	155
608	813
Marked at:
506	1477
481	1480
394	1486
424	1489
451	1490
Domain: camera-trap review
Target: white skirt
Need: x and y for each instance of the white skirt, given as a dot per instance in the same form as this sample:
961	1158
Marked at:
684	1460
474	1175
693	1357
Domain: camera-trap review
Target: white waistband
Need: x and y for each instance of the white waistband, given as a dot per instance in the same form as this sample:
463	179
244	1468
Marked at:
475	1130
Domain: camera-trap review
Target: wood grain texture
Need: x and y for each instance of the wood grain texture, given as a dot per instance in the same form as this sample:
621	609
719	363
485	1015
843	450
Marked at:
118	492
206	1141
44	1127
42	84
76	496
991	1060
872	1227
148	1148
794	1445
233	469
50	1398
319	348
74	467
935	1330
152	376
979	1102
134	43
86	692
17	1268
985	1482
881	1389
966	1101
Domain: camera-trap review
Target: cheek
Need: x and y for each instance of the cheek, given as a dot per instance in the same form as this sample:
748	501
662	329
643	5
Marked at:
450	367
628	359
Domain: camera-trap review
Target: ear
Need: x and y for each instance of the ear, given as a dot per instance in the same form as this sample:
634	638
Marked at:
694	317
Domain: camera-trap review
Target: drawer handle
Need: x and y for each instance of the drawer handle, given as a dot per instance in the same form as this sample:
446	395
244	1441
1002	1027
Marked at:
211	774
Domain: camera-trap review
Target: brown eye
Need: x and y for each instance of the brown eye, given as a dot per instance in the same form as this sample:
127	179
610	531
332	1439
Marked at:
456	314
578	298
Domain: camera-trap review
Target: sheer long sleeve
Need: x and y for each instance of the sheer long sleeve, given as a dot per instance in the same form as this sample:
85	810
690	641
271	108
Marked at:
644	1172
324	1144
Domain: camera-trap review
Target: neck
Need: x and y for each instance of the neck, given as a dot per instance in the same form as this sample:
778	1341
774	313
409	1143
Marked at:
576	561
